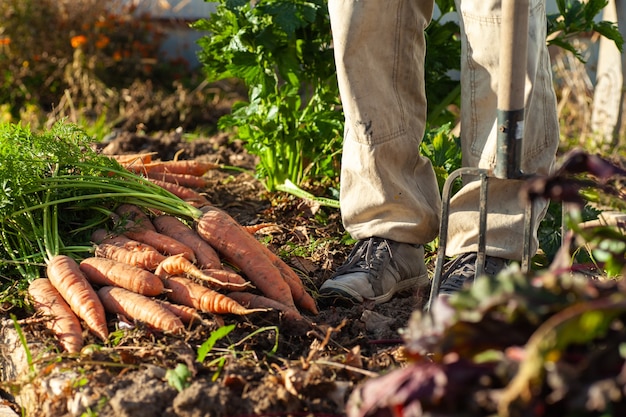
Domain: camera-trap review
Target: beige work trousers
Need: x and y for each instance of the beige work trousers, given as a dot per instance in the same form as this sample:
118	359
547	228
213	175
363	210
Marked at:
387	188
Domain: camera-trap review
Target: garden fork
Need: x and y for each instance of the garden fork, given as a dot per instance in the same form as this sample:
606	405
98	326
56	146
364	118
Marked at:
511	83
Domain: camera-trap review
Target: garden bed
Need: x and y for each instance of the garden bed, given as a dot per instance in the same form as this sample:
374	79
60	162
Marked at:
463	364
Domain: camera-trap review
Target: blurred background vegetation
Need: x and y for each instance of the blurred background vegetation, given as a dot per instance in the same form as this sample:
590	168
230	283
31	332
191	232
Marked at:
99	64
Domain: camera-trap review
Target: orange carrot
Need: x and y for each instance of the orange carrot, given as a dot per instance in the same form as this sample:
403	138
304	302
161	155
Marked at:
184	193
163	243
241	249
61	321
250	300
188	293
122	248
136	215
100	235
133	159
227	277
148	260
171	226
186	314
103	271
177	265
253	228
140	308
302	298
103	236
186	180
189	167
66	276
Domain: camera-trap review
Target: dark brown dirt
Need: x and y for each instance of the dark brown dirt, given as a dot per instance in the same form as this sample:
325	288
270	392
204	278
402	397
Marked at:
265	365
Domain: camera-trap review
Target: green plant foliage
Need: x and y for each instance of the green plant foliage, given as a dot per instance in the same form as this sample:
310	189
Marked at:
281	50
179	377
550	234
605	246
27	352
587	184
208	344
443	149
551	343
443	55
53	188
219	356
576	17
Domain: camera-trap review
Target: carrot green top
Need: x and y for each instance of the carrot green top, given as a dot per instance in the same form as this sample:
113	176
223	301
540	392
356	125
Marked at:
55	187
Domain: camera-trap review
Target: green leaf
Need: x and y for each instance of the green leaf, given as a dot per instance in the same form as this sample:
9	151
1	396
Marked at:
208	344
446	6
179	377
235	4
576	17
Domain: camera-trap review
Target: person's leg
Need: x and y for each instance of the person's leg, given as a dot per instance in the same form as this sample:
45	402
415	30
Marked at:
480	23
388	191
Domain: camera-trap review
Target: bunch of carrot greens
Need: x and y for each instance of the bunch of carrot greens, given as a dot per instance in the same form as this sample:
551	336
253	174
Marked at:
54	186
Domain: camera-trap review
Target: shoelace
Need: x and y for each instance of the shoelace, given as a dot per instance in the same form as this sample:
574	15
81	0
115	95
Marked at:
463	269
363	256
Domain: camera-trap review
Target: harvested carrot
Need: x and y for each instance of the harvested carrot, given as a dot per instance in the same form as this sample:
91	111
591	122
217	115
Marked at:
250	300
241	249
186	180
66	276
103	236
103	271
186	314
163	243
189	167
301	298
122	248
188	293
184	193
253	228
148	260
140	308
177	265
136	215
133	159
100	235
61	321
228	278
206	256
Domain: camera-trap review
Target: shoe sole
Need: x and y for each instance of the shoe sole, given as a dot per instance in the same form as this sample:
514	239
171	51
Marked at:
336	293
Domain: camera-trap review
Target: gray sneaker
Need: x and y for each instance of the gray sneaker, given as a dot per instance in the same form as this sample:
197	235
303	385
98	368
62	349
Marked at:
375	270
461	271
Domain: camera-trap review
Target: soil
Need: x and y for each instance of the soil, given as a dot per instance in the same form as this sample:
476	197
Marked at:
264	366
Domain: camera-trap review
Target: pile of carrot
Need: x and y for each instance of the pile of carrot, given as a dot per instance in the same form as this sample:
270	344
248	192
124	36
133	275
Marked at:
180	177
159	270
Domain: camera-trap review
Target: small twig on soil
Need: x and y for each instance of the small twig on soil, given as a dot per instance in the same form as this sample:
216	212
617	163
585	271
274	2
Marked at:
325	339
346	367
